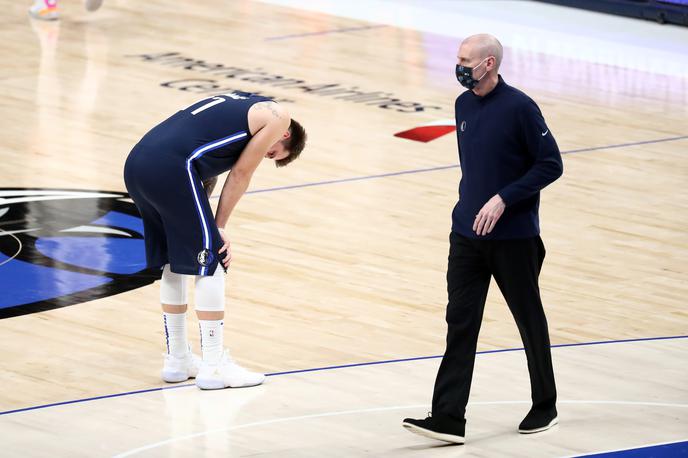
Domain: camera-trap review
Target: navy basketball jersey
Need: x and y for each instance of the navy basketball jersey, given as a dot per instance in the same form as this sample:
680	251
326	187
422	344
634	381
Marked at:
209	135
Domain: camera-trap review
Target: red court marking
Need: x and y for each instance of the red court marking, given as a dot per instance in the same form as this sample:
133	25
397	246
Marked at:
425	133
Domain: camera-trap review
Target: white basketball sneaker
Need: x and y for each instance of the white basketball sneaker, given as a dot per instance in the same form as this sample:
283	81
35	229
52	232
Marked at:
45	10
226	373
177	369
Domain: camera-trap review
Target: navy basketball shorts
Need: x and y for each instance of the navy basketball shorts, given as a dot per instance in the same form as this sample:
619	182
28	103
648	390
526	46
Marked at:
178	223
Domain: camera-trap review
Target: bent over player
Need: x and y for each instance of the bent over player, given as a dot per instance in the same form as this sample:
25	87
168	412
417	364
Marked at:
169	174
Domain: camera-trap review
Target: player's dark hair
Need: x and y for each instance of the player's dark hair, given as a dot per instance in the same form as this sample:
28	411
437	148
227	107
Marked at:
294	144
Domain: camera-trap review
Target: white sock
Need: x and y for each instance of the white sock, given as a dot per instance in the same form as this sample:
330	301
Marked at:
175	333
211	340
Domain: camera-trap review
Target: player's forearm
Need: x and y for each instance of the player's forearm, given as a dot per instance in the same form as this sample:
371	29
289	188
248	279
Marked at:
234	188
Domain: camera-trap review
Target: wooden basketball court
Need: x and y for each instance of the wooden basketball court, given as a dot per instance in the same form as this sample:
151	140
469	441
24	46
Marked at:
339	259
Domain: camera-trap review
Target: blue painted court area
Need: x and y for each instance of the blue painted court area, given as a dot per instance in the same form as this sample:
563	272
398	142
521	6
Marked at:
32	283
32	280
673	450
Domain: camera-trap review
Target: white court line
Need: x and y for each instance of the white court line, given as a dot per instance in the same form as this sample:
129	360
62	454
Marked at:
261	423
20	245
377	409
37	196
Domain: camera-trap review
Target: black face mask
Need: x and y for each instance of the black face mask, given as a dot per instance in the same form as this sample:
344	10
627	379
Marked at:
465	75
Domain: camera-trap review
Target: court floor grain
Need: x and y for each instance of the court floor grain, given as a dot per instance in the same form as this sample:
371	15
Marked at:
337	285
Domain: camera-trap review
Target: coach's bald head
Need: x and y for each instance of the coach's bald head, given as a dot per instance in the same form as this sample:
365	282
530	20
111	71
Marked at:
485	51
484	45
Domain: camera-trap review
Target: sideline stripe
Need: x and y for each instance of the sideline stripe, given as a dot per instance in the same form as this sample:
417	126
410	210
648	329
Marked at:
325	32
623	145
345	180
444	167
372	363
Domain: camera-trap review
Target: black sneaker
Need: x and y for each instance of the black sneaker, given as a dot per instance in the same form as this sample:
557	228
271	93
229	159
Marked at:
442	428
538	420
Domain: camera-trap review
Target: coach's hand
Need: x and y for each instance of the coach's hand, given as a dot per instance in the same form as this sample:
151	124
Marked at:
225	247
488	216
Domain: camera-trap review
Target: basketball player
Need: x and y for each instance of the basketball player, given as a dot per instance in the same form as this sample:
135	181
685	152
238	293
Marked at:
47	10
164	175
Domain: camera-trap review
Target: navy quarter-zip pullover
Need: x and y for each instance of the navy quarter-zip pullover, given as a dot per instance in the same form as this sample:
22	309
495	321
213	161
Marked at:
505	148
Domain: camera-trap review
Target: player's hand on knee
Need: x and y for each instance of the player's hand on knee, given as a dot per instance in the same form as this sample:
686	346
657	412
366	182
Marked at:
225	248
487	217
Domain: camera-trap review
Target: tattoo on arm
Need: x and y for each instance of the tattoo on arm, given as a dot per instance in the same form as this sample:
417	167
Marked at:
268	106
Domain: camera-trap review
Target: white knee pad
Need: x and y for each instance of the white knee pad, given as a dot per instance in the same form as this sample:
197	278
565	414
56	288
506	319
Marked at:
210	291
172	287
